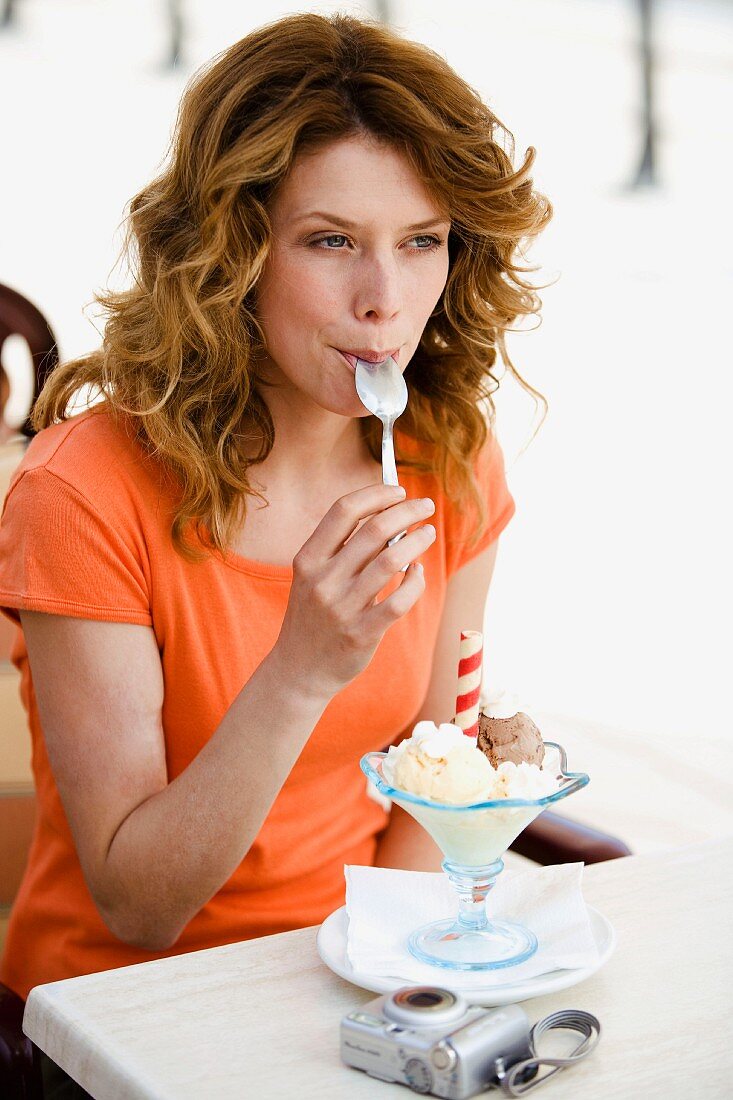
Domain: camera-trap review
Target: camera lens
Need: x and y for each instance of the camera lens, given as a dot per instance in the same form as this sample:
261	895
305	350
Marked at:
424	1006
425	999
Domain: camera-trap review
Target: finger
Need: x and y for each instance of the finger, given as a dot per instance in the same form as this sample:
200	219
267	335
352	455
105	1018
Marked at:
372	537
379	618
343	517
389	562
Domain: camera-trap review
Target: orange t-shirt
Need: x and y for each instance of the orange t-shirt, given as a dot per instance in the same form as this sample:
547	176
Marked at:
86	532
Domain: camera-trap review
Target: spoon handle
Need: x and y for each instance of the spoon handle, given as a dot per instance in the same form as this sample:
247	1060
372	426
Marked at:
389	467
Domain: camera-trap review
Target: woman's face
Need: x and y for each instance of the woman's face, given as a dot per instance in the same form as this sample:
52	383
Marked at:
358	261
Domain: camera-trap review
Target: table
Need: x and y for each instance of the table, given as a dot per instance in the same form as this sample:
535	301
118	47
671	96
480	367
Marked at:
261	1018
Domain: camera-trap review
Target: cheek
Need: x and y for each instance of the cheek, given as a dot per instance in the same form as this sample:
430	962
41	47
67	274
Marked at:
427	289
325	287
441	278
295	294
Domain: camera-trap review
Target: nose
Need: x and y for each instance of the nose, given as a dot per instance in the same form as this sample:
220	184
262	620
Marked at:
378	289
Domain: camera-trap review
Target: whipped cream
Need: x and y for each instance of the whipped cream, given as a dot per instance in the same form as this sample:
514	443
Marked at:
523	781
500	704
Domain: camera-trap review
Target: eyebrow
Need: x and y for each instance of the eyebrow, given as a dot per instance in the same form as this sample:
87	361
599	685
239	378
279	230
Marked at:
346	224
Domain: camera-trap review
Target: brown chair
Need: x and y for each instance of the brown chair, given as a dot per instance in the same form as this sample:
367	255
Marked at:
19	317
553	839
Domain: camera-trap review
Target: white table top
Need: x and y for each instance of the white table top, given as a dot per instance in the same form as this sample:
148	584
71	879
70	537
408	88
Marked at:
261	1018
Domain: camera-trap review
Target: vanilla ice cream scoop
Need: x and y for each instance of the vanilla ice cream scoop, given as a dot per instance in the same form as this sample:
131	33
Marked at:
440	763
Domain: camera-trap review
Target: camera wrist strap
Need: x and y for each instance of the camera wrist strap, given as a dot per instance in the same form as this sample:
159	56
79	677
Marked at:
570	1019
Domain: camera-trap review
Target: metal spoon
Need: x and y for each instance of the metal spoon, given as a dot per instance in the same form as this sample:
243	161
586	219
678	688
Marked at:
382	390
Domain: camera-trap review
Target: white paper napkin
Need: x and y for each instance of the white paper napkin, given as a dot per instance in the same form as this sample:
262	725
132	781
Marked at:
384	906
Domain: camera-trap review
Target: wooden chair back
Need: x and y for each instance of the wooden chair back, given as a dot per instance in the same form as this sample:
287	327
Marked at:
19	317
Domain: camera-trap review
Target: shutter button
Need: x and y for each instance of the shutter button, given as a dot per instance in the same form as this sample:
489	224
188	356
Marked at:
442	1056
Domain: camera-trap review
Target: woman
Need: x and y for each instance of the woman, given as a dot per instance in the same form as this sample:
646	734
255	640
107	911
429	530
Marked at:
214	629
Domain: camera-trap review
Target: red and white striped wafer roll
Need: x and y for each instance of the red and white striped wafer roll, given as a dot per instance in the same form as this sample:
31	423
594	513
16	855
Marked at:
470	661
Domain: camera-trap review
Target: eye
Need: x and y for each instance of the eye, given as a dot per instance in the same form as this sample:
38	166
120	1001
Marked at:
324	242
429	243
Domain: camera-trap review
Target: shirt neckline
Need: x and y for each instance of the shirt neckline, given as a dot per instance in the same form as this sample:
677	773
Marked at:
269	570
254	568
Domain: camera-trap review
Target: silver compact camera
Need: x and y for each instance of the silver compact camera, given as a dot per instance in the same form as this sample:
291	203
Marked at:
435	1042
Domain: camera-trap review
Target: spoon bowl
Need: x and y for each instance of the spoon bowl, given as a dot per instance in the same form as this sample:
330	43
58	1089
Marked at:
381	388
383	391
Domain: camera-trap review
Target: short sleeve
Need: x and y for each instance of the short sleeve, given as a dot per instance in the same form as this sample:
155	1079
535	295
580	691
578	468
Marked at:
58	554
463	520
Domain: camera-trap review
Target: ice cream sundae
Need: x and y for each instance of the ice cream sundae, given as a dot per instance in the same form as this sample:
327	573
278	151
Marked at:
474	784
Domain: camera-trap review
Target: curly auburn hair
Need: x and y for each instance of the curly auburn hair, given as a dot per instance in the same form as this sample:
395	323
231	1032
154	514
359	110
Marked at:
180	345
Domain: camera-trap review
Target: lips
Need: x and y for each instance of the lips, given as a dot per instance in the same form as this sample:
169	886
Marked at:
368	355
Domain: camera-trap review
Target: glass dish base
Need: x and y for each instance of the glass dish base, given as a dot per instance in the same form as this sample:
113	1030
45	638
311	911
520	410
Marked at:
448	944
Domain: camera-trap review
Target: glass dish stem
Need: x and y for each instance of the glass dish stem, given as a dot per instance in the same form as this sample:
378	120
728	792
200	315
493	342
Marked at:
473	888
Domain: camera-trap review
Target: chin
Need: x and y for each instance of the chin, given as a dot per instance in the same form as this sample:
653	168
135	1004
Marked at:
344	403
353	412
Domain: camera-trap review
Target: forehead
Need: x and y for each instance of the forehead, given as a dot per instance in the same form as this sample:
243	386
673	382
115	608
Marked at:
354	177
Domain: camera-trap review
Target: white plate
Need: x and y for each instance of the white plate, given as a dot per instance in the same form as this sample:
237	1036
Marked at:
332	949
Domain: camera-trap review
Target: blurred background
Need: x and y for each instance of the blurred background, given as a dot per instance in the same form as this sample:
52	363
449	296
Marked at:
611	603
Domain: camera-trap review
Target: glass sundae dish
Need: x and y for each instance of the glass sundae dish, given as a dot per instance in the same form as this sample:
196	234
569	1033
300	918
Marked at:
472	832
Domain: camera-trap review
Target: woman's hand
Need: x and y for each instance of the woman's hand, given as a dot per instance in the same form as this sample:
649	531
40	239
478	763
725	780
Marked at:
333	623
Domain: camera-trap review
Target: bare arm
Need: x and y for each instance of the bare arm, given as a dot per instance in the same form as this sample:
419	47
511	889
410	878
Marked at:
404	843
154	852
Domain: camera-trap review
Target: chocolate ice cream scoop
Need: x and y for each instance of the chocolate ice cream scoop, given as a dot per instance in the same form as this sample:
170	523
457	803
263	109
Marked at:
516	739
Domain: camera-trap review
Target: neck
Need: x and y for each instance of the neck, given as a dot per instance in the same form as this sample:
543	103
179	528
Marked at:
312	446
